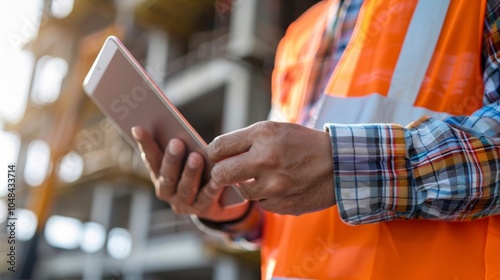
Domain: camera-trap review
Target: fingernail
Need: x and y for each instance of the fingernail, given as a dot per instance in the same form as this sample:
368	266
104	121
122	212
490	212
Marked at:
174	148
134	132
193	162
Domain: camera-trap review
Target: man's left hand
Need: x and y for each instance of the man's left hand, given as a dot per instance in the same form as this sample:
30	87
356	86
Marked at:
286	167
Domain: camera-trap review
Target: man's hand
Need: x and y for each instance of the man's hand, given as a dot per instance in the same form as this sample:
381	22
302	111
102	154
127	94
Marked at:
287	167
178	182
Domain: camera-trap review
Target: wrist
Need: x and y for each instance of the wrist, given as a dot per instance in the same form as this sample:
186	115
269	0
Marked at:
246	209
241	225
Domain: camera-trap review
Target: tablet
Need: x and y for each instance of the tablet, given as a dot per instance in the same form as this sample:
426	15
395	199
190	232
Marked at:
123	91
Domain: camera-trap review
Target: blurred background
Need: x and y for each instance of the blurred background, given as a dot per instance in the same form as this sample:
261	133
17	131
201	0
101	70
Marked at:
84	205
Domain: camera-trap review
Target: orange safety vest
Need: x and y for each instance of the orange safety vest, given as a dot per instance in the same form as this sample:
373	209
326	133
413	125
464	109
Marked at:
405	59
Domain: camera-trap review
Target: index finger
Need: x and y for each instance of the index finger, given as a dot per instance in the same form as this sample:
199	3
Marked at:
230	144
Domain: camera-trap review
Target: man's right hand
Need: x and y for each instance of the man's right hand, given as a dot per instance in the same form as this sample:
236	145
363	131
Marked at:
178	182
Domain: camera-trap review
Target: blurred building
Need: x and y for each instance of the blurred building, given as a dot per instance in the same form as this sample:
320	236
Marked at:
95	213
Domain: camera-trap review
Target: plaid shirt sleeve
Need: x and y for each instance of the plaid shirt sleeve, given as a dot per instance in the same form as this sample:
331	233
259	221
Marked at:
445	170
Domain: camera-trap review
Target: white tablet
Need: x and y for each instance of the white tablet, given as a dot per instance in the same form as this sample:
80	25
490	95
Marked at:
123	91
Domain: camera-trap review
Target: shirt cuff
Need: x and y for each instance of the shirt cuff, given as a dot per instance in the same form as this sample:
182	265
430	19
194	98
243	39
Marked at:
372	177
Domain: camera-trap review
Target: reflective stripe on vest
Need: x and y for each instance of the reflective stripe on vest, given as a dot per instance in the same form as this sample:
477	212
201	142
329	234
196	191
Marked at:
380	78
416	74
397	105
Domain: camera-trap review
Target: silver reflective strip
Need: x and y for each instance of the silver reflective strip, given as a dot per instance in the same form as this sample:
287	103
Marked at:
418	47
373	108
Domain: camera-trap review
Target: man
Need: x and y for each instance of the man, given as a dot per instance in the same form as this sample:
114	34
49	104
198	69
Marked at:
424	197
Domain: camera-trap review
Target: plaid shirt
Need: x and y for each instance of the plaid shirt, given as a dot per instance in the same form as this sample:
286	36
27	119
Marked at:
434	169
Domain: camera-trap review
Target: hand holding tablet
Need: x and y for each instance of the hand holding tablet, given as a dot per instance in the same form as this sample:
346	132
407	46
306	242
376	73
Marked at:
122	90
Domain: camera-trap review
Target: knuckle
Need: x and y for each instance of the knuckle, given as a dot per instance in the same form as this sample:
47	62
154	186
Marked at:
208	193
270	159
202	202
162	187
186	192
267	128
166	182
219	174
262	125
201	206
225	172
278	187
233	168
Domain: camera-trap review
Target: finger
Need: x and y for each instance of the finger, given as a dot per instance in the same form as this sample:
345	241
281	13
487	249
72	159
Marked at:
190	179
234	170
208	195
229	144
150	152
170	169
